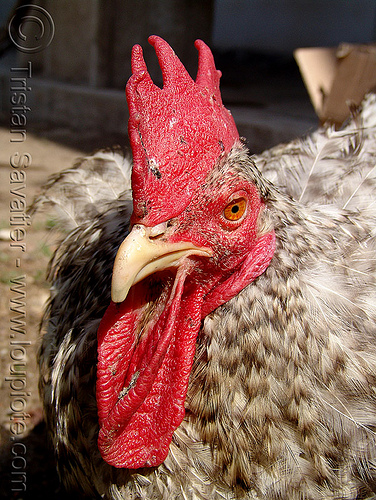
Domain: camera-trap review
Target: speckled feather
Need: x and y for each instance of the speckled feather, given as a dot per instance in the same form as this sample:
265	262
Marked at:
281	402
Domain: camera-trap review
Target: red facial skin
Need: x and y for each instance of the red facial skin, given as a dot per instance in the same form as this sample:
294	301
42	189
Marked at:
144	359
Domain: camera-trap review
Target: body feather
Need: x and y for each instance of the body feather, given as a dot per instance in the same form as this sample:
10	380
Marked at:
281	401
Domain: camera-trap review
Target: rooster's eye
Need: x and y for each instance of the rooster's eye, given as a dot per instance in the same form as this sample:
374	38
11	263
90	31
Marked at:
235	209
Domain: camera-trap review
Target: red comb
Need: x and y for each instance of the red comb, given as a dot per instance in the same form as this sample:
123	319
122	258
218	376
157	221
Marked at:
177	133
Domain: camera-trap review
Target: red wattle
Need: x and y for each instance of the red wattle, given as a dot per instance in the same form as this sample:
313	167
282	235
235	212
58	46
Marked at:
146	347
142	382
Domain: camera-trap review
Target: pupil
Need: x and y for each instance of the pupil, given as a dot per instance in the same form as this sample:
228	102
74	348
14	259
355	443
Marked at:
235	209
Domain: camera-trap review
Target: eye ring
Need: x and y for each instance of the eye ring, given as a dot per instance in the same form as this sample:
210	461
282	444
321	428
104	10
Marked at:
235	210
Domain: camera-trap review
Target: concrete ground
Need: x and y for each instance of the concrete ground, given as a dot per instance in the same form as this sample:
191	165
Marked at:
24	317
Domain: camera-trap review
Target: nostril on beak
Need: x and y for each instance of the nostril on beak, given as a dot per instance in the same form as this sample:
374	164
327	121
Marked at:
158	230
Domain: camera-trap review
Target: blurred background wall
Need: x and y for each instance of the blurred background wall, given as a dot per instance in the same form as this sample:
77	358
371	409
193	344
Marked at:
284	25
78	80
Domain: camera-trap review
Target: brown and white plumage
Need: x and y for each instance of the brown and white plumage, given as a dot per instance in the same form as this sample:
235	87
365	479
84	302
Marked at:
281	401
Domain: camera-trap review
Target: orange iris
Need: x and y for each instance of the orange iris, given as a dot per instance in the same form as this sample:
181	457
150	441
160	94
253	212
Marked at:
235	209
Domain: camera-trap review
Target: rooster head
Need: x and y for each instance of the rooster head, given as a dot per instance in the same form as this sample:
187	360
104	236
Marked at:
195	243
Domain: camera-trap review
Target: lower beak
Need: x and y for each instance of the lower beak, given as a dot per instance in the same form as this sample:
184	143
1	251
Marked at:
142	254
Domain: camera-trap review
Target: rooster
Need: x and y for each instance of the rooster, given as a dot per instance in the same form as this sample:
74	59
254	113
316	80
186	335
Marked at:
211	327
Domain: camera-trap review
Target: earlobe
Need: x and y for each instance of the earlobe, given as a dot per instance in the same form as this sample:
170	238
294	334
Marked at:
252	267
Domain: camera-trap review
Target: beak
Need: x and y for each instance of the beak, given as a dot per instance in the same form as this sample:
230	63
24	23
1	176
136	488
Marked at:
142	254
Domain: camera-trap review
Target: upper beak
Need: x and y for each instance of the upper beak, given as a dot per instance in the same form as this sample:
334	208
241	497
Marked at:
142	254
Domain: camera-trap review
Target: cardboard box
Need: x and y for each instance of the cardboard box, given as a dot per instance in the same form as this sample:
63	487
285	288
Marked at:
337	78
